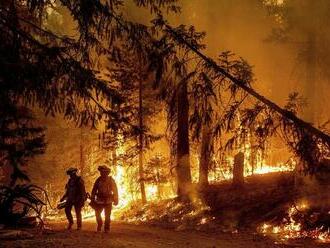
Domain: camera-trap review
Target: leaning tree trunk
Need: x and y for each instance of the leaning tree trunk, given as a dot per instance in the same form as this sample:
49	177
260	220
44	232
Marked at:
183	158
283	112
205	156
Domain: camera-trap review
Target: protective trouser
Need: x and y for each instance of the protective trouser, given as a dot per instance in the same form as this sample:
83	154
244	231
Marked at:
68	214
107	213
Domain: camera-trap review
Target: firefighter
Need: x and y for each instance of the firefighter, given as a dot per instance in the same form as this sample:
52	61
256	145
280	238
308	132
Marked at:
75	196
104	194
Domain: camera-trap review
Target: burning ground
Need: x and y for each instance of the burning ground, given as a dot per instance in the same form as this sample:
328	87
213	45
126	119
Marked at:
268	204
262	214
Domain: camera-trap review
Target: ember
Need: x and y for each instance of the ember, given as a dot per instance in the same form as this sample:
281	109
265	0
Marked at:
291	228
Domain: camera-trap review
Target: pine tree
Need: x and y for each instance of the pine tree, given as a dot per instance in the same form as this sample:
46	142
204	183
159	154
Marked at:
58	73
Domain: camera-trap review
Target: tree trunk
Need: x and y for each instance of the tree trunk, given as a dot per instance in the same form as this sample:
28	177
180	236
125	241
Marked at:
114	157
81	152
205	156
283	112
253	158
238	170
141	171
160	191
183	157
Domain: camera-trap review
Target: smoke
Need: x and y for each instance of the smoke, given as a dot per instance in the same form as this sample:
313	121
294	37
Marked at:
314	190
280	68
243	27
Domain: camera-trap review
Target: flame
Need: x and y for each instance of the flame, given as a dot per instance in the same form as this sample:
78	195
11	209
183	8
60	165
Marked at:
151	191
254	163
292	229
128	190
119	178
268	169
220	174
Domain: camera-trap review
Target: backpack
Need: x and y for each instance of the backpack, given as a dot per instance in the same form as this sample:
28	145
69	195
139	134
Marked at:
79	191
105	188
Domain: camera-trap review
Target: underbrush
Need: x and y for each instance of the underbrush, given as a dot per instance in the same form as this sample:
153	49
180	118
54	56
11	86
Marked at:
171	213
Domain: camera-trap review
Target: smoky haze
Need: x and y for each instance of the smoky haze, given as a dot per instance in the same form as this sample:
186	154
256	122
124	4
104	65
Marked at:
242	27
245	27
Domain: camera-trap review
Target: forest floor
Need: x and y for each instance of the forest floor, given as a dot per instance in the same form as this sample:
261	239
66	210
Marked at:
221	223
142	236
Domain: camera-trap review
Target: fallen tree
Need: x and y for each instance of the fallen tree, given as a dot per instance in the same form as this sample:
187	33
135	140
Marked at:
310	144
285	113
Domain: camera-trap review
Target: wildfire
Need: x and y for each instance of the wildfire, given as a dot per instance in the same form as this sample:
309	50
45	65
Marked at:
261	168
255	162
129	192
268	169
292	229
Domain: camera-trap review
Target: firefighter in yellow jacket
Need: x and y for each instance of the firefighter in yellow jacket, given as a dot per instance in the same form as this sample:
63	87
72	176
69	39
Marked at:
104	194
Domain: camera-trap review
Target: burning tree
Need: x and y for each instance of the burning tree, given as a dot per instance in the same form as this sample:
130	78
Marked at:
66	75
133	79
157	172
310	144
59	73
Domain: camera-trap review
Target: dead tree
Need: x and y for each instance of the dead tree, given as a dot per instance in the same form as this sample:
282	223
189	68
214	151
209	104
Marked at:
238	170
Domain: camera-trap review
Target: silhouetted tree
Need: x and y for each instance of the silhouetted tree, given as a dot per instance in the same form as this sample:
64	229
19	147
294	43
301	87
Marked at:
134	78
175	72
61	74
310	144
157	172
20	139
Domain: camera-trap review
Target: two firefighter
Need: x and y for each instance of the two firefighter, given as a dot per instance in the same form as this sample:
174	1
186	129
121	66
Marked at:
104	195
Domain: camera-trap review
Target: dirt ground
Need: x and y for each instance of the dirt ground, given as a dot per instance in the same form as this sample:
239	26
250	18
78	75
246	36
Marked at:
126	235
